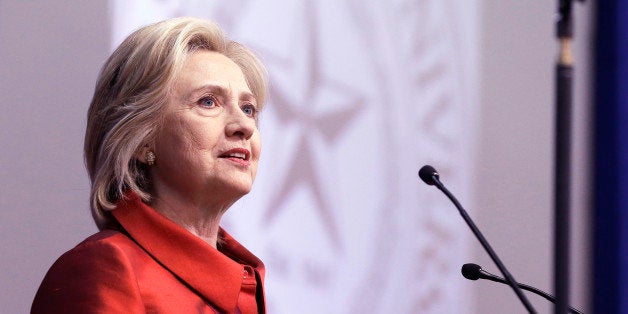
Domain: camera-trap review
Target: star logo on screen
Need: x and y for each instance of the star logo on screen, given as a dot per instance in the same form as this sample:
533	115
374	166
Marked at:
317	90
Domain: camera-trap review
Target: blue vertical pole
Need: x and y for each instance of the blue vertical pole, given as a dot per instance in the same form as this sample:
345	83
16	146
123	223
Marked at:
610	277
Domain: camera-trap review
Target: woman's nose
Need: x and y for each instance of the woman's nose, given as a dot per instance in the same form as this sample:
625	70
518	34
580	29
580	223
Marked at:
240	125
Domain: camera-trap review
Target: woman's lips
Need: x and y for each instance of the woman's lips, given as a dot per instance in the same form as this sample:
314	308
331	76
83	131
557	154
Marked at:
240	156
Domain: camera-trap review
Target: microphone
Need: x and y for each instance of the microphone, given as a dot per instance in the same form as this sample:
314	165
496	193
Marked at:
430	176
474	272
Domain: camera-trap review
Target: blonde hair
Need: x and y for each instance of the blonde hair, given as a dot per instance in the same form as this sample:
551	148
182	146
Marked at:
129	98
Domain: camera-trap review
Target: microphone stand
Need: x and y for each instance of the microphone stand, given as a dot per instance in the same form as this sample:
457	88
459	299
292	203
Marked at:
487	247
562	158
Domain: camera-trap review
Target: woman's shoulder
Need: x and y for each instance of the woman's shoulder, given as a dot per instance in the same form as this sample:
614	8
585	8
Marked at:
98	272
107	237
104	244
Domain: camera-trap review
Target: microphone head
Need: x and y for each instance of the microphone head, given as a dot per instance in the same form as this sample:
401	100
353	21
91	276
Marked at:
471	271
427	174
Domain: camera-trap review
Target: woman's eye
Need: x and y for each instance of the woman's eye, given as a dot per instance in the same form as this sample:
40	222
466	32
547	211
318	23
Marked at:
249	110
208	102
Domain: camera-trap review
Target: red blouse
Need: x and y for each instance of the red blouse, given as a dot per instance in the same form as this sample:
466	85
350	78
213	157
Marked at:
152	265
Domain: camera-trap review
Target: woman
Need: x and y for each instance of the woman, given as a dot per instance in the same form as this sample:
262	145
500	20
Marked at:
171	143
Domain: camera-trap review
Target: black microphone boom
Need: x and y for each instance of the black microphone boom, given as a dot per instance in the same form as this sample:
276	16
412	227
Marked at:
474	272
430	176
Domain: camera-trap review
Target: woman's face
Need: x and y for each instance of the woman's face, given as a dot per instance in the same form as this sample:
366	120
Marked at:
208	147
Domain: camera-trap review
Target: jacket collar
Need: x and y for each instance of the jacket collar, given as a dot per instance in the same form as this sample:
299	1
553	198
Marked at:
213	274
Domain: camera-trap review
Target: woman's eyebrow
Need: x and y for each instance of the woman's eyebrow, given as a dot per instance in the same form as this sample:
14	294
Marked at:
216	89
246	95
220	91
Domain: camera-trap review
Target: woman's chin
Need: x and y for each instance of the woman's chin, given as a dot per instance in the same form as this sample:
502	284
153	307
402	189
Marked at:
237	188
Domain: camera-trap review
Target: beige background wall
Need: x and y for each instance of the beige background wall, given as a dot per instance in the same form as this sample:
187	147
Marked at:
513	192
50	54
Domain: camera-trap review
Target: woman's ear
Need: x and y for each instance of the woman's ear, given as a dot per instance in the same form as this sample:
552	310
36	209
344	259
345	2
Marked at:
145	155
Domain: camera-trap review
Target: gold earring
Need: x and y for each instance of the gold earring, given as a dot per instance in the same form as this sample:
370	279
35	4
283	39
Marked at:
150	158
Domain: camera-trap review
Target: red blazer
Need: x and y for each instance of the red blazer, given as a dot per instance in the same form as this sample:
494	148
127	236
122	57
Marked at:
152	265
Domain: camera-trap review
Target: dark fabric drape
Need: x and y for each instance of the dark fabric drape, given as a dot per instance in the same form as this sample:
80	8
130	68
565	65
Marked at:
611	159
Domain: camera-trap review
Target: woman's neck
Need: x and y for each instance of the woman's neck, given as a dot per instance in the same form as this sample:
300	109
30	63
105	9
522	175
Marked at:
199	218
